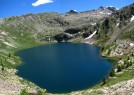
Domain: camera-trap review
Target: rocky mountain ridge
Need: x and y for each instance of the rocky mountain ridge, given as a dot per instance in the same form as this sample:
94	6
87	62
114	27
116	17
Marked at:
53	23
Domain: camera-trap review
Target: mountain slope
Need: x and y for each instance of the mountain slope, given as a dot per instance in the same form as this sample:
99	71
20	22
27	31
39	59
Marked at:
107	27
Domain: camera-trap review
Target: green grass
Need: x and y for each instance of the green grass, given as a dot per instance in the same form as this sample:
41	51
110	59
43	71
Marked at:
126	75
129	35
6	60
102	41
24	92
22	42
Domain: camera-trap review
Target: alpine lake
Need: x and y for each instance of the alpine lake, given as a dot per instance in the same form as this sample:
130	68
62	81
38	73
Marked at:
64	67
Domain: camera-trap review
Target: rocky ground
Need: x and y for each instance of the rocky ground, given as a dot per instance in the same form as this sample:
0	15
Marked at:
120	47
122	88
11	84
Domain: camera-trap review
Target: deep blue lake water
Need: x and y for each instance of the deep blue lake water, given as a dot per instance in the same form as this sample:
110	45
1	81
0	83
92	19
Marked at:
63	67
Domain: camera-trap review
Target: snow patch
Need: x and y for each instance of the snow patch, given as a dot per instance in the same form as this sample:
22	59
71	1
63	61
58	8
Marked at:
91	35
70	34
132	18
117	24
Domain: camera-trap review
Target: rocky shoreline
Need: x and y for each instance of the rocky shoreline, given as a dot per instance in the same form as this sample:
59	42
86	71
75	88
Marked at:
11	84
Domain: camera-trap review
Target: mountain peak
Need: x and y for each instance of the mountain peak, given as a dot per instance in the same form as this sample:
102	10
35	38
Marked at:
72	12
101	8
112	8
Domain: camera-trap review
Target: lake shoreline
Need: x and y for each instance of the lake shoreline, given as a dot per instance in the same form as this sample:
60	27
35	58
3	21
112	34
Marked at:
98	83
45	90
77	44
